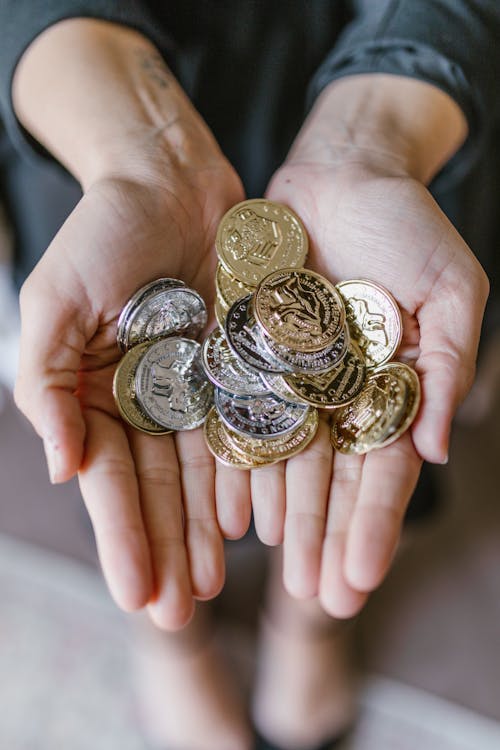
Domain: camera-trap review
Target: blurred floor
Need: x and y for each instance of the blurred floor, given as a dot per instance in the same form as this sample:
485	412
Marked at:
429	638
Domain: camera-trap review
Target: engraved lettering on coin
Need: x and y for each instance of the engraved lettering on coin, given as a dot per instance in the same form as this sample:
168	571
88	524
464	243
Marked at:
226	370
173	312
124	393
299	309
334	388
282	447
259	416
242	338
374	319
171	385
258	236
309	362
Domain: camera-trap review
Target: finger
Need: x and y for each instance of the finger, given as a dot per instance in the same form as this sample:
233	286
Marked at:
52	341
308	477
109	488
203	536
233	500
267	485
389	478
337	597
450	325
160	492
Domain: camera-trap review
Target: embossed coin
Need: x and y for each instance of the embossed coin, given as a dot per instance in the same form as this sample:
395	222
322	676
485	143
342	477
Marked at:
171	386
137	299
243	338
299	309
309	362
258	236
260	416
413	397
226	370
381	413
279	448
374	319
277	384
334	388
228	288
124	393
221	311
178	311
220	445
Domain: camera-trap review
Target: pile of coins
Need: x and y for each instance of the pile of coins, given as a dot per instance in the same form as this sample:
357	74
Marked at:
289	343
159	384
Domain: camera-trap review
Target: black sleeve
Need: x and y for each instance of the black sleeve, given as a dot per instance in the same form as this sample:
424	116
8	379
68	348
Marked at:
452	44
21	21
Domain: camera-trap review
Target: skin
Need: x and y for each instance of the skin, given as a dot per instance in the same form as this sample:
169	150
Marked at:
155	187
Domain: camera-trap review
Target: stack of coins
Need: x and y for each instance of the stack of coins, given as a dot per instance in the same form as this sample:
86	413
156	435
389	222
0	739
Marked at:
159	384
289	343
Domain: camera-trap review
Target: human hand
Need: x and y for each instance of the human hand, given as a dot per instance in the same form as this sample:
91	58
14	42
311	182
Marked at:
368	216
151	499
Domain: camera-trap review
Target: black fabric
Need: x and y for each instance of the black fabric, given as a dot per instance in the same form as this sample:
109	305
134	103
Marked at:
448	43
247	63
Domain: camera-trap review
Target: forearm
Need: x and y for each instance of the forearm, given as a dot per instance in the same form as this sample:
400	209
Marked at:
99	97
390	122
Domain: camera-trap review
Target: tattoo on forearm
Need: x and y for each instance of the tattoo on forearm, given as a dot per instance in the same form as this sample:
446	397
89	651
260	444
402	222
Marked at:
154	66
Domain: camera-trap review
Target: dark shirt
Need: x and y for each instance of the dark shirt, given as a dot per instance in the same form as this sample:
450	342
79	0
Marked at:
253	67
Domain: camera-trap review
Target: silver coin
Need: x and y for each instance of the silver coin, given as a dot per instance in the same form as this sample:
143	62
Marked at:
278	385
307	363
171	385
242	335
259	416
172	312
137	299
337	387
226	370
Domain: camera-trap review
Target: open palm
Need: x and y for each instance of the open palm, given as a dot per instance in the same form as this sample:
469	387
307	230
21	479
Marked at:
151	499
340	516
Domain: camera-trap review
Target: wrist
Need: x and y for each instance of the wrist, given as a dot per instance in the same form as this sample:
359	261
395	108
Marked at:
389	124
115	108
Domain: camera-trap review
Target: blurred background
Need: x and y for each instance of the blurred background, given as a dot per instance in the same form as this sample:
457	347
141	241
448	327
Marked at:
428	643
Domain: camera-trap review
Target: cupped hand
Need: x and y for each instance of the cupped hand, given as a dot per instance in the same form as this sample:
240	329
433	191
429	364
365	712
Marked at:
340	516
151	499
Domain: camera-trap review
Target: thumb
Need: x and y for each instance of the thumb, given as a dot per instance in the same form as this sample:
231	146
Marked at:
52	343
450	326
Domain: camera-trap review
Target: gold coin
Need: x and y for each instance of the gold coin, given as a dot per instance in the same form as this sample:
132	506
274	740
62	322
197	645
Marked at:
221	312
410	377
381	413
258	236
278	449
374	319
334	388
220	445
229	289
299	309
124	393
278	385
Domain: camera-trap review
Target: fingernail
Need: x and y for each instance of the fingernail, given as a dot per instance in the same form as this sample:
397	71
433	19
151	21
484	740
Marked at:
445	460
53	460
